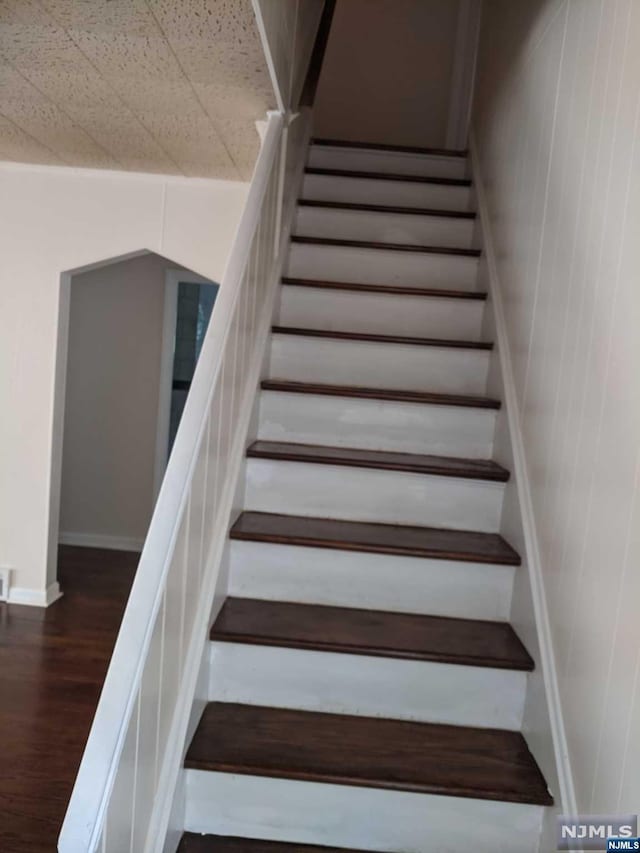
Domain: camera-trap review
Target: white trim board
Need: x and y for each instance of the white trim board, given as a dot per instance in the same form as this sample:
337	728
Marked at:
268	55
34	597
463	73
533	559
101	540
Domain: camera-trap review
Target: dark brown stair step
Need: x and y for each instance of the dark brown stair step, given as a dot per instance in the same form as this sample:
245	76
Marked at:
383	288
404	756
387	208
382	339
316	627
192	843
382	146
403	540
392	394
388	176
389	247
446	466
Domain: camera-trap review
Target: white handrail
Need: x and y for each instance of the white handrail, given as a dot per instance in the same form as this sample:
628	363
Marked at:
136	739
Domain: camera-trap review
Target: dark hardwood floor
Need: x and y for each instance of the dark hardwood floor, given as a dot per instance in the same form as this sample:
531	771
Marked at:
417	463
374	538
388	247
388	176
52	666
377	633
407	340
430	758
193	843
392	394
391	289
387	208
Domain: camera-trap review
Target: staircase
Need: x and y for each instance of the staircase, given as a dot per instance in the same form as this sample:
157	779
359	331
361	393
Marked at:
366	689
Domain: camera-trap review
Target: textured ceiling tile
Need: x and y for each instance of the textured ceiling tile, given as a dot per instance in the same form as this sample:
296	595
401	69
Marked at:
32	42
216	40
124	42
241	137
42	119
18	146
171	86
218	46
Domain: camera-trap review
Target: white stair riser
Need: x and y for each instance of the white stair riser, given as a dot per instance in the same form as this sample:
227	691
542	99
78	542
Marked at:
365	494
379	365
391	162
381	266
384	227
377	424
380	313
356	817
309	575
366	686
394	193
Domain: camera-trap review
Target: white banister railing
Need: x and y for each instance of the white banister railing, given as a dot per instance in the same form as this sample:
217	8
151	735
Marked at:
123	791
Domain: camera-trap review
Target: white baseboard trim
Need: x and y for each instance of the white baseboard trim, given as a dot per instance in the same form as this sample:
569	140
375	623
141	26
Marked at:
101	540
549	670
34	597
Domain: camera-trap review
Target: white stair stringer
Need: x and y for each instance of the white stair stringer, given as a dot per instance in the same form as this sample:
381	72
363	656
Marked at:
356	817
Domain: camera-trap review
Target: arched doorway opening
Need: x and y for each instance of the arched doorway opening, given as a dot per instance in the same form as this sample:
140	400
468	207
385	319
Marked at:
130	335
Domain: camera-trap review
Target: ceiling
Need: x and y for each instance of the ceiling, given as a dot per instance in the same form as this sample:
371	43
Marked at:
166	86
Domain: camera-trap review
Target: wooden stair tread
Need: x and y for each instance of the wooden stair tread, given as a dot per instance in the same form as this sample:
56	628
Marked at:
447	466
470	642
382	339
346	750
387	208
388	247
383	288
193	843
392	394
389	176
382	146
404	540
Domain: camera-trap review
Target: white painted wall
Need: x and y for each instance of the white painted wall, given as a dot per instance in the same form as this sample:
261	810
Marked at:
388	72
112	400
557	121
55	220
